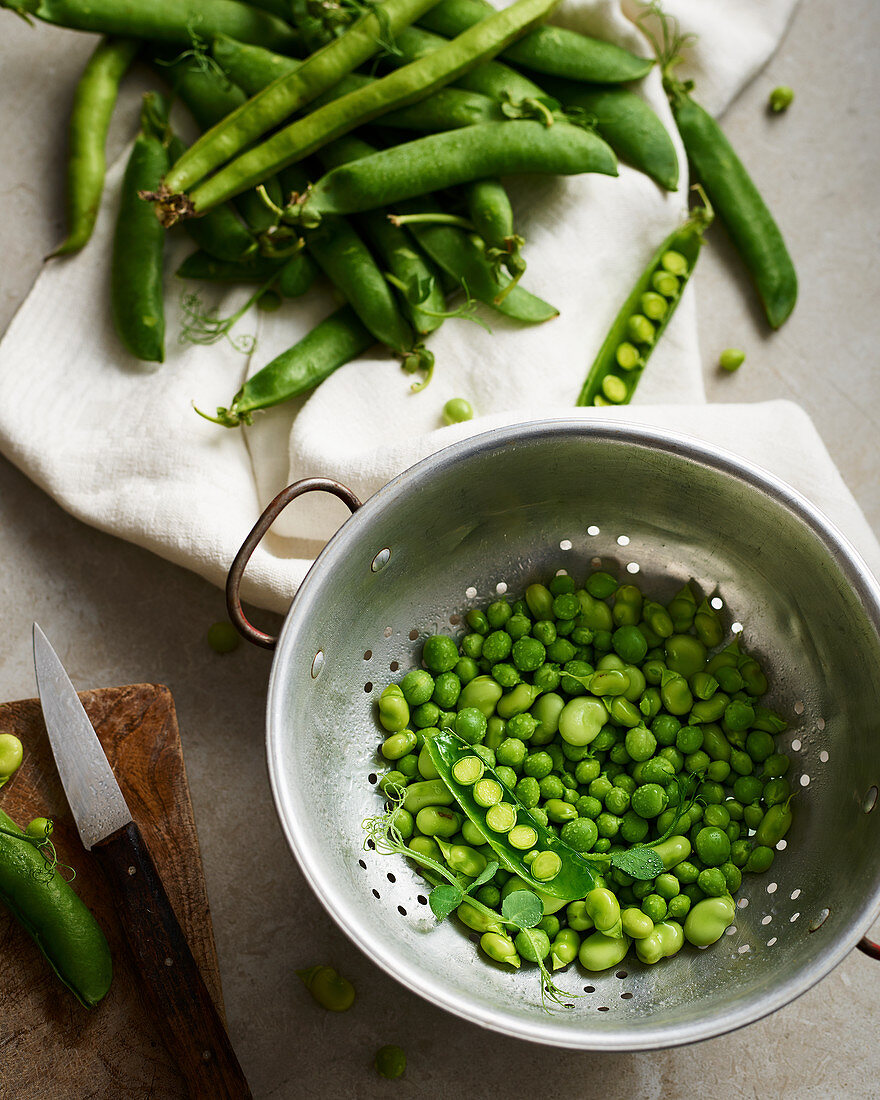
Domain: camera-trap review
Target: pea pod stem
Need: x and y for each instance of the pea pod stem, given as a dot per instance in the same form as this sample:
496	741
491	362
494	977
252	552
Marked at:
397	89
93	103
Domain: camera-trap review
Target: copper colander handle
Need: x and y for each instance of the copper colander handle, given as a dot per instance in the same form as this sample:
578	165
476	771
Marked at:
271	513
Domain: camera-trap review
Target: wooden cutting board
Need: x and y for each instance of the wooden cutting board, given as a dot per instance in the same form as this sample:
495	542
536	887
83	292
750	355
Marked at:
51	1048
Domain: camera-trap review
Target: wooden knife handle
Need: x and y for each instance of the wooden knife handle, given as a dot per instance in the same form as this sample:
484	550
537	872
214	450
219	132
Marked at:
170	979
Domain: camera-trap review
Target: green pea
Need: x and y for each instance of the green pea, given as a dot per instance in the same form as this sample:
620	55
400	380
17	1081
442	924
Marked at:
393	709
581	720
440	653
540	601
11	755
776	765
402	821
564	949
390	1060
708	920
483	693
653	305
754	680
532	944
673	851
501	817
760	860
747	789
675	693
417	686
602	908
523	837
674	263
426	765
712	882
774	825
665	283
685	654
650	800
780	98
391	780
517	701
328	987
398	745
430	792
614	389
500	948
640	330
740	850
432	821
666	940
601	952
776	791
738	716
679	906
731	359
580	834
457	410
636	924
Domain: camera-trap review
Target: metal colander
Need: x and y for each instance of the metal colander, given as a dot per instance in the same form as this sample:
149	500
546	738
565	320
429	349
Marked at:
491	514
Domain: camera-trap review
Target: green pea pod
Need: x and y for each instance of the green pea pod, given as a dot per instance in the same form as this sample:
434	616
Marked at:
173	21
136	274
297	276
335	341
446	109
452	157
628	124
574	879
93	104
59	922
552	50
397	89
686	241
254	269
739	205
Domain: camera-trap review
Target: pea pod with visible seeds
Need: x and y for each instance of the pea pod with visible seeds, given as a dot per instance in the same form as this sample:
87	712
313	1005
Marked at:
93	104
136	273
619	364
573	878
738	203
552	50
60	923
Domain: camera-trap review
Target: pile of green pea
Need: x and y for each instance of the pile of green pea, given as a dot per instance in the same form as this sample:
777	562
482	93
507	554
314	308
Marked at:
634	696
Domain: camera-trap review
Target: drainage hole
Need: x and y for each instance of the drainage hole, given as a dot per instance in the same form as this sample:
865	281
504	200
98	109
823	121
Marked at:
626	996
470	592
819	919
593	530
565	544
604	1008
362	865
394	666
376	893
421	899
621	974
770	942
391	877
589	989
368	655
632	567
413	634
370	845
372	777
401	910
870	800
368	686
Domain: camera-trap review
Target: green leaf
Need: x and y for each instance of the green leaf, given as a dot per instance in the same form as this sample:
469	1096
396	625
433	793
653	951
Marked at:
491	868
641	862
522	908
444	898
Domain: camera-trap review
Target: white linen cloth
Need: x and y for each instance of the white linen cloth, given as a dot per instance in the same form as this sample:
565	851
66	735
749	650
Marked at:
117	443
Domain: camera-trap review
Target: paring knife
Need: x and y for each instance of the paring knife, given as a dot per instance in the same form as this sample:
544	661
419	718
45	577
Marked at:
170	980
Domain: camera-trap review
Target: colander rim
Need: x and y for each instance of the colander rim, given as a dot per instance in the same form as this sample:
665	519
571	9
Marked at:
381	951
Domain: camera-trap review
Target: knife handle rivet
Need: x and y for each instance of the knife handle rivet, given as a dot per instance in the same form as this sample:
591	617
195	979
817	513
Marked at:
207	1055
132	870
169	962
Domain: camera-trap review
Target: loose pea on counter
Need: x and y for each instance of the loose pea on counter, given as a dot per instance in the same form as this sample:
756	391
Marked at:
594	752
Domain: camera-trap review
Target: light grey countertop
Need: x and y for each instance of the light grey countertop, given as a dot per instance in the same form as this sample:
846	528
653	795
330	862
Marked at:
120	615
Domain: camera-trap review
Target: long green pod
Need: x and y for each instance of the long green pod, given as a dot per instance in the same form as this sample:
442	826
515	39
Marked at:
552	50
138	244
452	157
93	104
210	97
455	252
252	68
627	123
291	91
177	21
488	206
397	89
59	922
220	233
739	205
491	78
334	342
573	880
684	242
253	269
417	280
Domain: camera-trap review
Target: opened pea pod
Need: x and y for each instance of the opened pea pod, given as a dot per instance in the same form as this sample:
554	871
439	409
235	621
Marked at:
644	315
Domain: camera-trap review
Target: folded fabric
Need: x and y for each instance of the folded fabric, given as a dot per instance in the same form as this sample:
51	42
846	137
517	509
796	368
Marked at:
117	443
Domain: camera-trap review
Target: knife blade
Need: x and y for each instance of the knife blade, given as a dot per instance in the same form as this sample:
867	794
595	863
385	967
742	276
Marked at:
170	980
